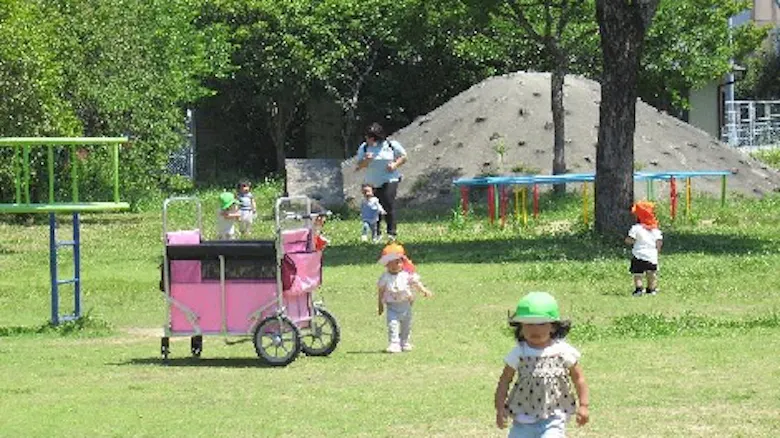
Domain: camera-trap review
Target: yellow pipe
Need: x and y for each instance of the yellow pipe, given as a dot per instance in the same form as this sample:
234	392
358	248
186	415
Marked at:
688	198
517	204
585	203
525	209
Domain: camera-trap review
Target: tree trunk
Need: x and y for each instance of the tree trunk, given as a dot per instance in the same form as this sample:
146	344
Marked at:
559	136
622	27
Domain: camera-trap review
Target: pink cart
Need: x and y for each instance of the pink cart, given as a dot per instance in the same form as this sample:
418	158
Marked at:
258	288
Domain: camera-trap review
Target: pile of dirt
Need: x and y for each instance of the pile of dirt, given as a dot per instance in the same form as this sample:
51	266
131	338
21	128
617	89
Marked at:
511	113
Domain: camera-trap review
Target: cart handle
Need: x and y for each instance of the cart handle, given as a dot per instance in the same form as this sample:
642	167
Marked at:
169	201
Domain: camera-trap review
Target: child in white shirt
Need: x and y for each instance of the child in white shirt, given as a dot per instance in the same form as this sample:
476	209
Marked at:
395	293
647	241
227	215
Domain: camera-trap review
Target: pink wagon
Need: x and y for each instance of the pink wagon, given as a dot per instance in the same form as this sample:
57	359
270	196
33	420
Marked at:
259	288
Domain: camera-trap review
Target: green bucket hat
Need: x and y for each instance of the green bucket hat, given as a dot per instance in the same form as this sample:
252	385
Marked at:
537	308
226	199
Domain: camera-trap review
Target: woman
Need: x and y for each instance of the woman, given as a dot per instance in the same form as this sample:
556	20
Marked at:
381	158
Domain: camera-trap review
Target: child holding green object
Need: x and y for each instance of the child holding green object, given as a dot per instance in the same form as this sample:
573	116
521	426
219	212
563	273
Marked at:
227	216
541	400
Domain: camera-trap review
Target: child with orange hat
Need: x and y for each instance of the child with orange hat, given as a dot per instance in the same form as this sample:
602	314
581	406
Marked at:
395	293
647	240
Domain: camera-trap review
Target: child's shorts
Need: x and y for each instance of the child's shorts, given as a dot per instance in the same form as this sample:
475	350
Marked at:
641	266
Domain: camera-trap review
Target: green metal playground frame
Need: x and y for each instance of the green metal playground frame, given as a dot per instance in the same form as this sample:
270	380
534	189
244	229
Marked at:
21	163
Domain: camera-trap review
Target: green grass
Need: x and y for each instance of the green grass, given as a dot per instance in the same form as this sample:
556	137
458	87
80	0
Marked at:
696	360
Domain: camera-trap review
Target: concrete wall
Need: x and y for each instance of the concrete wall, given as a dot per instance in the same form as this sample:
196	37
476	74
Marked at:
703	112
319	179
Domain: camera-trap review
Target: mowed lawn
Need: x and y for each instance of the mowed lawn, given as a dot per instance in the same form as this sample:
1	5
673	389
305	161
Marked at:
699	359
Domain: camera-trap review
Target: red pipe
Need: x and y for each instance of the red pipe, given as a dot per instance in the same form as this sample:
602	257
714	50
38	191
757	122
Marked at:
536	201
504	200
673	196
464	199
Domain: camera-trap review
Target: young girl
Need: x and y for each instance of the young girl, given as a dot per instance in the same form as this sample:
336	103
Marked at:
647	240
541	400
227	215
246	206
394	291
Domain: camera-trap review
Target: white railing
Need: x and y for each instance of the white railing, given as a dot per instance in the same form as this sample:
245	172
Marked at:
752	123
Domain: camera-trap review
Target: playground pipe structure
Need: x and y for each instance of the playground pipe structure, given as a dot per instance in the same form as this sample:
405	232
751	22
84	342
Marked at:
500	185
23	203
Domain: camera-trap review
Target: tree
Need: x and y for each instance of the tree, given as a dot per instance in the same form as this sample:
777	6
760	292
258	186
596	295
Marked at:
622	26
556	18
689	45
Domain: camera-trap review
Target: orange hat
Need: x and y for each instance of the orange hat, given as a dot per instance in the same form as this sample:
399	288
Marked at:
643	210
394	251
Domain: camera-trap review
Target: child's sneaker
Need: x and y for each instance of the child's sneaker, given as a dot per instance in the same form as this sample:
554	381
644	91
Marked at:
407	347
638	292
393	348
364	238
652	292
377	239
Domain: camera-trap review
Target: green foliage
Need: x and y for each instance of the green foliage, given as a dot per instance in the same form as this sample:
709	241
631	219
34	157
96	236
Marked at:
105	69
762	80
769	156
688	46
526	169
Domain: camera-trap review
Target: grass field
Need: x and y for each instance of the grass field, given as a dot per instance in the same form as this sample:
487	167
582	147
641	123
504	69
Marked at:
699	359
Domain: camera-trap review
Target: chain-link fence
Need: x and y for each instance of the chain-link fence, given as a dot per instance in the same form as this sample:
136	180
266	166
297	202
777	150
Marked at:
752	123
182	161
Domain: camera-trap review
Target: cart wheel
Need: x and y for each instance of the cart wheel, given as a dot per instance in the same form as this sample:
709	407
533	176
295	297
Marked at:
323	334
277	340
165	347
196	345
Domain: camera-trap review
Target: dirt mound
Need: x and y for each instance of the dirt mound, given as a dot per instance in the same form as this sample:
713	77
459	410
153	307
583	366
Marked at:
511	113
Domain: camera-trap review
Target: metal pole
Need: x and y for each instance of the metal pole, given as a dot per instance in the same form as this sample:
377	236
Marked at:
26	169
76	266
723	191
50	165
115	159
55	299
74	174
17	177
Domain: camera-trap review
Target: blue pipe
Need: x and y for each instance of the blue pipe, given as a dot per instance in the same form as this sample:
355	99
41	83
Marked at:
55	299
76	266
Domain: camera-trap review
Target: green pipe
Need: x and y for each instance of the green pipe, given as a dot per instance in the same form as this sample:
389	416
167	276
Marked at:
115	158
17	178
74	177
26	173
723	191
38	141
50	162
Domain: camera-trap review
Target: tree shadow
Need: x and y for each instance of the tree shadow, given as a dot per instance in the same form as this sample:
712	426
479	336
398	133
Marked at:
194	362
581	246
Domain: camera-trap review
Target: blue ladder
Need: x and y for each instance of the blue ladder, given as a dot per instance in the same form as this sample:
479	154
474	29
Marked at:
56	318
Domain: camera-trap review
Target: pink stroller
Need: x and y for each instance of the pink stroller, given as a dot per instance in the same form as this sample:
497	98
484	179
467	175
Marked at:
257	288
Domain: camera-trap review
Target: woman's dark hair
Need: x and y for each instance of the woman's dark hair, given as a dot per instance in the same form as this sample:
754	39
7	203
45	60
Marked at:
560	330
376	132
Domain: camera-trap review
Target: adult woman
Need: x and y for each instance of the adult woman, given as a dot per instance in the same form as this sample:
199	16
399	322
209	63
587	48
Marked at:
381	158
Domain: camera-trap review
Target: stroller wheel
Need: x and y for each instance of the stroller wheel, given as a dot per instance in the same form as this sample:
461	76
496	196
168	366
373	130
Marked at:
322	335
277	341
196	345
165	347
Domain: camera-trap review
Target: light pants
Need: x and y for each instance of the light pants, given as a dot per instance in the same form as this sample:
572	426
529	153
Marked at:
399	322
371	229
245	222
553	427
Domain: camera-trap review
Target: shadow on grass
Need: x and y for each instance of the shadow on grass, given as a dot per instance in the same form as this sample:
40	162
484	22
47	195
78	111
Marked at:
188	362
582	246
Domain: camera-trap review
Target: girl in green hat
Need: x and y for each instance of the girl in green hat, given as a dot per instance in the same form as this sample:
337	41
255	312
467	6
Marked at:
541	400
227	215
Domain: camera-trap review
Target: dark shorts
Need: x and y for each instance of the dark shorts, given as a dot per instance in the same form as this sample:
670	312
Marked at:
641	266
